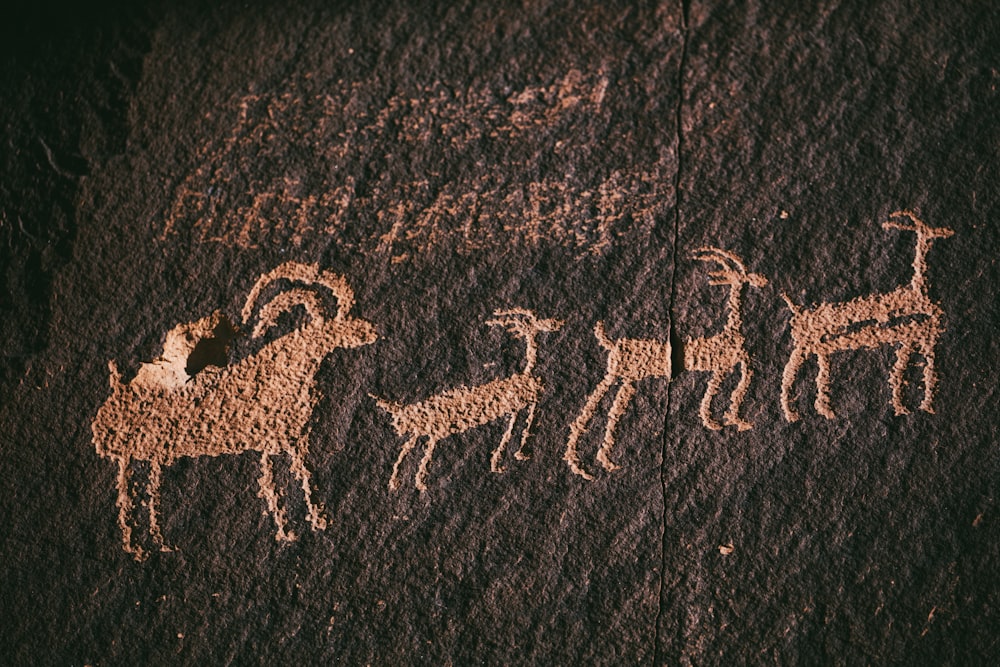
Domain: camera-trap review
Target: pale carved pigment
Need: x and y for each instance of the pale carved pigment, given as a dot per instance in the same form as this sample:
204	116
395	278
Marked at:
181	406
464	408
722	353
905	317
307	134
262	403
629	361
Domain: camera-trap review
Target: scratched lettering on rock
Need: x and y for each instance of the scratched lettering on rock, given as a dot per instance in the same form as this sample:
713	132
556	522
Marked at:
292	167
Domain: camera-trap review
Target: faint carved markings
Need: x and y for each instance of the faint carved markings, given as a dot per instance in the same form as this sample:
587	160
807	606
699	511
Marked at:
262	403
284	173
904	317
629	360
722	353
481	211
464	408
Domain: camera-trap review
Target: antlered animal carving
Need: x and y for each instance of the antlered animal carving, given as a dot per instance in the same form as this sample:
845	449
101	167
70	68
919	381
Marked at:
260	404
905	317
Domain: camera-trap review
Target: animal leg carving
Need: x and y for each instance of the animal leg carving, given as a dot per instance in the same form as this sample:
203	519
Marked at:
407	448
270	495
732	416
316	516
124	502
930	378
714	383
153	487
823	387
520	454
625	394
420	480
903	354
579	426
792	368
498	452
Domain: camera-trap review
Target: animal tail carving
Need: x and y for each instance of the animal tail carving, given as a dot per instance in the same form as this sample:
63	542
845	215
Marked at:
309	274
792	306
388	406
116	376
602	336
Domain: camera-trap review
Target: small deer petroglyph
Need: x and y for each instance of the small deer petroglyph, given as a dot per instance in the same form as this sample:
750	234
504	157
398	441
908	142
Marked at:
464	408
721	353
629	360
905	317
261	404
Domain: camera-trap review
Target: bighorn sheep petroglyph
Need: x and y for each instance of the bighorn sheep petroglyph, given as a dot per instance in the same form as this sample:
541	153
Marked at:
464	408
629	360
262	403
721	353
905	317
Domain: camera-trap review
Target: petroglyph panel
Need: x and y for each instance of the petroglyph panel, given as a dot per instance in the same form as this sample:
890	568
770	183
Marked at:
189	402
292	168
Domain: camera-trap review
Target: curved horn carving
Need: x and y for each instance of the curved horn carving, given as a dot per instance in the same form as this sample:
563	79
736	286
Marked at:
305	273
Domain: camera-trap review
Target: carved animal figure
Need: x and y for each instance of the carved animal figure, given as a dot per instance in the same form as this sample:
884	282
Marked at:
721	353
261	404
629	360
904	317
464	408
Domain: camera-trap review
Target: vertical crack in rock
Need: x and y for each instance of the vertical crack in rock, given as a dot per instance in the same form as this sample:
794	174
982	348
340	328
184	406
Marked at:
657	641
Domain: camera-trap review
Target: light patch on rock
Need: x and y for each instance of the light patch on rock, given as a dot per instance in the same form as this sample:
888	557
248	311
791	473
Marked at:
262	403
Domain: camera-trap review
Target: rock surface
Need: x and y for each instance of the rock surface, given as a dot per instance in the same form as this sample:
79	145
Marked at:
451	161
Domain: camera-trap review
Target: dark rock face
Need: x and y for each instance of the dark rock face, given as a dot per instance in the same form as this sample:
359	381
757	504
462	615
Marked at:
449	162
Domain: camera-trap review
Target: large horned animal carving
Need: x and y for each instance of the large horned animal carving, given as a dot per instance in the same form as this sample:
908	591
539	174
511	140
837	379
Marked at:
260	404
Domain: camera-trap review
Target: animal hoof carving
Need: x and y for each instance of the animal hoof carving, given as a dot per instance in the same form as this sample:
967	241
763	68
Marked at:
458	410
262	403
905	317
608	464
740	424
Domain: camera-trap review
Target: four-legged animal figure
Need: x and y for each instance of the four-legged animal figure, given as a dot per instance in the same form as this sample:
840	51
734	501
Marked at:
465	408
629	360
905	317
721	353
261	404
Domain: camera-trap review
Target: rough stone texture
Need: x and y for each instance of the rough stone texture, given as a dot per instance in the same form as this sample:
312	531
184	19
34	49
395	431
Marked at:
868	538
449	161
